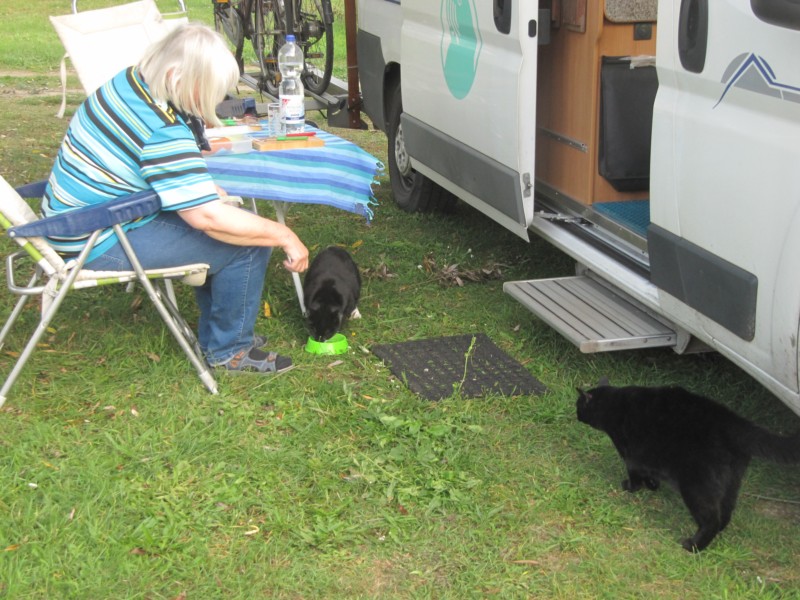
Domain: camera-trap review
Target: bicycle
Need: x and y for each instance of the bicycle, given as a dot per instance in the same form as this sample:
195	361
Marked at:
264	23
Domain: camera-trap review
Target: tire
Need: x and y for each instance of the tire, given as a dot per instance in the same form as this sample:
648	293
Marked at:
316	38
268	37
412	191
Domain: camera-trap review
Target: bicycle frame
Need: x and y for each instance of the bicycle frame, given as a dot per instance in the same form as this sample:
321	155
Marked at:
267	22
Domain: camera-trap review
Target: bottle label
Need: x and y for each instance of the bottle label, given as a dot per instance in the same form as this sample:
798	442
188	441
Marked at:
294	111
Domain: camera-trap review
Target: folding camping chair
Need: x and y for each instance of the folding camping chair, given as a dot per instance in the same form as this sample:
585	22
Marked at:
53	277
102	42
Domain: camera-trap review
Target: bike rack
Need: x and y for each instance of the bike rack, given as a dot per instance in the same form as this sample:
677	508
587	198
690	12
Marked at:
342	99
334	100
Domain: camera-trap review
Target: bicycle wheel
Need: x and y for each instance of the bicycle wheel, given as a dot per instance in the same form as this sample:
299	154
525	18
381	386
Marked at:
268	36
228	22
314	31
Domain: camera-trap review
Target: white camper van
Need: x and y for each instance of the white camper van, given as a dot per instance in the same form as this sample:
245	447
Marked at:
657	143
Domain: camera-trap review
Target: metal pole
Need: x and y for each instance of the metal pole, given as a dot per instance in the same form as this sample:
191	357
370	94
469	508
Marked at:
289	5
353	91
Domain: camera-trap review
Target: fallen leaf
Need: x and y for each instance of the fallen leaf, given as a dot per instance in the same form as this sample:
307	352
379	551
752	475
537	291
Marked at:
253	531
526	562
11	548
380	272
267	310
154	357
335	363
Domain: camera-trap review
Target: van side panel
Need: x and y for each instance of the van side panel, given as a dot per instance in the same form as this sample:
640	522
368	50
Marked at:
476	173
724	171
371	67
378	47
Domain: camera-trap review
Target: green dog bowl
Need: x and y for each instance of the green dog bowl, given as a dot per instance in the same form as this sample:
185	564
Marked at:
336	345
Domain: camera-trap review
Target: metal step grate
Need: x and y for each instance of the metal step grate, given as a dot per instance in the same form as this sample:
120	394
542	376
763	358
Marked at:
590	315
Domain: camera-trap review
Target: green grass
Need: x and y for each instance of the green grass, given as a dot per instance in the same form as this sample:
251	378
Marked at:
123	478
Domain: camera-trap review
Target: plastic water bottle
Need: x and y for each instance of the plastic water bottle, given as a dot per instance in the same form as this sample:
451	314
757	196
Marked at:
290	91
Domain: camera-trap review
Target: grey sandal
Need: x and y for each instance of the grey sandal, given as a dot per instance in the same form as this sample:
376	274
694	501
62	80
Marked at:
258	361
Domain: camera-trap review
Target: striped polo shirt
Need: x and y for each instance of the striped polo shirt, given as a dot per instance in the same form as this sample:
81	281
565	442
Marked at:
121	141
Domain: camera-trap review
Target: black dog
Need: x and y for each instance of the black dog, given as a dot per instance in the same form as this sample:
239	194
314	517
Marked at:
331	288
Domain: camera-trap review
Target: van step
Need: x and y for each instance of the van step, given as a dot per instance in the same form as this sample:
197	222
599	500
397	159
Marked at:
590	315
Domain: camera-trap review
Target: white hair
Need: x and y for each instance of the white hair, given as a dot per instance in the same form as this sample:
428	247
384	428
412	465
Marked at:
192	68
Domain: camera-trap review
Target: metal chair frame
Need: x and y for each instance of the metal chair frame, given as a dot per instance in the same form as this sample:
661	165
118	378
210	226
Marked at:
54	278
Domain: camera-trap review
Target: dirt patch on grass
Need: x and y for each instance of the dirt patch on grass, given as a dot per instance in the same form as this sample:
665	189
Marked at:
23	74
35	85
779	509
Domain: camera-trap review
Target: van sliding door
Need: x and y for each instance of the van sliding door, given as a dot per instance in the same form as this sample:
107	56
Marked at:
468	89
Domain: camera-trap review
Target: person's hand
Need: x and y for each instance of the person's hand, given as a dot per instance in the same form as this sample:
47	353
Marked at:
296	255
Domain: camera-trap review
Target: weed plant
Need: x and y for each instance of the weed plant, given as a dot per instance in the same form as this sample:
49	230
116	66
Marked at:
123	478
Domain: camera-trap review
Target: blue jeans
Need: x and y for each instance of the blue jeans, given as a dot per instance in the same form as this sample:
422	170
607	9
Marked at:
230	299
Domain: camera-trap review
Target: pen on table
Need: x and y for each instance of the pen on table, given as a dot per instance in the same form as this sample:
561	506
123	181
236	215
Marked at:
299	134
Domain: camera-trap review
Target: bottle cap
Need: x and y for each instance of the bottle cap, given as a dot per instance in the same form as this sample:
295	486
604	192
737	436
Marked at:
290	37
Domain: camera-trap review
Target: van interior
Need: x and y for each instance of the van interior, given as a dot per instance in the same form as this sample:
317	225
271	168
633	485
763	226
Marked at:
596	89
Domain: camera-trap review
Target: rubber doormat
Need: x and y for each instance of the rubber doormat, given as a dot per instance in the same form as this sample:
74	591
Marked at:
435	368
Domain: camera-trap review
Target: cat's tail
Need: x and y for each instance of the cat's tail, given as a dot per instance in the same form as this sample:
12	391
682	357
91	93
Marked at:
777	448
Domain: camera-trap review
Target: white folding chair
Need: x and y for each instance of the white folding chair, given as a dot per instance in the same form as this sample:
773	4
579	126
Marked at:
53	277
102	42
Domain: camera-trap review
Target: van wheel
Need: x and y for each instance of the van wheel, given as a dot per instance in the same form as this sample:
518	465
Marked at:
412	191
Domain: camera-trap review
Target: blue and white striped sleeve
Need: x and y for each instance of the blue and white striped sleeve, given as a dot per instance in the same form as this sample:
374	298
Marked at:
172	164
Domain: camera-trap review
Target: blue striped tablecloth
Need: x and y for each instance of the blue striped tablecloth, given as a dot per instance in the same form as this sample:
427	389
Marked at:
338	174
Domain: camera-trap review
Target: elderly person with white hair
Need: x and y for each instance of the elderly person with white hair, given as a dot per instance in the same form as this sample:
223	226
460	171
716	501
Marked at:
142	130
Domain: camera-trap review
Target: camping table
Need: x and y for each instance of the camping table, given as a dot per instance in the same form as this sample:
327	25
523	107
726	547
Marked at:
338	174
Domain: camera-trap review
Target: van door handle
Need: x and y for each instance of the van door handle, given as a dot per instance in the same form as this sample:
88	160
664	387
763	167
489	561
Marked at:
693	34
502	15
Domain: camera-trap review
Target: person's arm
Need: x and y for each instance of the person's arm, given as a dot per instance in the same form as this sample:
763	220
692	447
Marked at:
239	227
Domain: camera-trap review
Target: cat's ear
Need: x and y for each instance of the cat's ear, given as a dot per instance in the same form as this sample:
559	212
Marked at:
584	393
603	381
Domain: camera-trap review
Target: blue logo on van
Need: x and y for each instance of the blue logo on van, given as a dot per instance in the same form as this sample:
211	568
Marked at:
751	72
461	45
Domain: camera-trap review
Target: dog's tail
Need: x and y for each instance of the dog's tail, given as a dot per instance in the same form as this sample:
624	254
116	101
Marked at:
777	448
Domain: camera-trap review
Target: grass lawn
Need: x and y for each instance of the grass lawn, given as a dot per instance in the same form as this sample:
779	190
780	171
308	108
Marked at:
123	478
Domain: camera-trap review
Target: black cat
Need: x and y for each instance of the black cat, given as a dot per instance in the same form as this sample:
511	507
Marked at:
695	444
331	289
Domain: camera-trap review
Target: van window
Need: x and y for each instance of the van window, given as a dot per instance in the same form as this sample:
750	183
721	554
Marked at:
783	13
